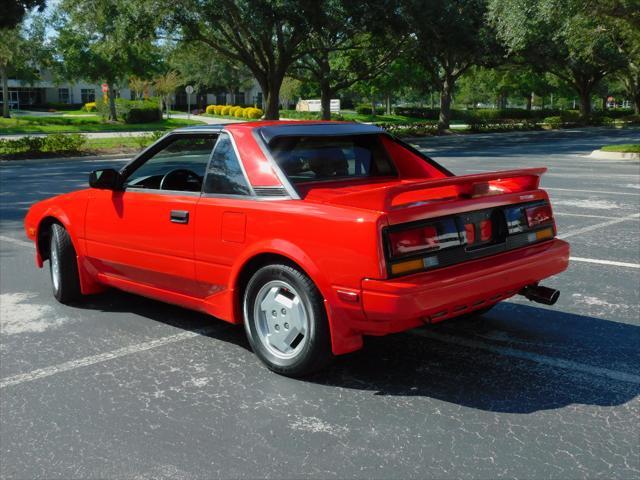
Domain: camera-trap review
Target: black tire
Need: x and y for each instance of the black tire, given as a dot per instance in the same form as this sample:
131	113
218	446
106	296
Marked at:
66	287
315	352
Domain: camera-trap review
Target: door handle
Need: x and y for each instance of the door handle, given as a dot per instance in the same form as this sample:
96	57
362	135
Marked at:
179	216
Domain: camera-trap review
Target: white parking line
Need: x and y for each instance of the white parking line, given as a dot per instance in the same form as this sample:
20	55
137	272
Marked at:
579	231
590	191
567	214
16	241
102	357
605	262
530	356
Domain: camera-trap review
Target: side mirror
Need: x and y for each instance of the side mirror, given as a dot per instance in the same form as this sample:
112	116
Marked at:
104	179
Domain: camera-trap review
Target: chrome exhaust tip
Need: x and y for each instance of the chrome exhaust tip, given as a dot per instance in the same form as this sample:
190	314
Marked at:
540	294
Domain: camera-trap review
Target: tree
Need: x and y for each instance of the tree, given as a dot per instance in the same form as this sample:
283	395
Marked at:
139	87
450	36
14	11
265	36
558	36
165	85
622	21
289	90
22	53
347	44
205	68
111	44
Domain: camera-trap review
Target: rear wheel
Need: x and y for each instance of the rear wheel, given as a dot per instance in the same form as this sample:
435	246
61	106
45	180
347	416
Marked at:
63	264
285	321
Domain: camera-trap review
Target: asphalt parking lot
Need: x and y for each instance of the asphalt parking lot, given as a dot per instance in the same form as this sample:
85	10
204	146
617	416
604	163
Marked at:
125	387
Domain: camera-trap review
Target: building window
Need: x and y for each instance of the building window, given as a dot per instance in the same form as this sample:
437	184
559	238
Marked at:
239	98
63	95
221	98
87	95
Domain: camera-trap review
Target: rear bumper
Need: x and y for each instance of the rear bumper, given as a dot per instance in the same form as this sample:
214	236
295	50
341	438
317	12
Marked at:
398	304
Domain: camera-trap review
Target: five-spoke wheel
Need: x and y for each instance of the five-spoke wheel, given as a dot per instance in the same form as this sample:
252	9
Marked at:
285	321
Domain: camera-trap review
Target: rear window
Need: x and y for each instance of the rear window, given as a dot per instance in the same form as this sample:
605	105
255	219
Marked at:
317	158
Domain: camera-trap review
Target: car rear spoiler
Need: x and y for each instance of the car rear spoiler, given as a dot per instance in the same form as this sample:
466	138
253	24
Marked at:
448	188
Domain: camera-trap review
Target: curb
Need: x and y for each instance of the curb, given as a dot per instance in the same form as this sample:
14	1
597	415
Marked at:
614	155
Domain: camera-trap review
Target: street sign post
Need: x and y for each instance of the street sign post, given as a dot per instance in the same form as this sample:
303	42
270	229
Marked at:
189	90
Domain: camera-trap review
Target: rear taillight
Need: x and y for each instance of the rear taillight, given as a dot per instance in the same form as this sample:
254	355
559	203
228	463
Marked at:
538	215
427	238
447	241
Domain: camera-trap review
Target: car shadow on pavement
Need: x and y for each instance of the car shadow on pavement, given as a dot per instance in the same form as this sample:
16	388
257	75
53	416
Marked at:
570	359
515	359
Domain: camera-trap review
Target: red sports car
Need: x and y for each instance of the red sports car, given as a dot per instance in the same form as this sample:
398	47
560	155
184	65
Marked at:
312	234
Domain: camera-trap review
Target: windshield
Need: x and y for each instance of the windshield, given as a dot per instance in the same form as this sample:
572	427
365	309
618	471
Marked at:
317	158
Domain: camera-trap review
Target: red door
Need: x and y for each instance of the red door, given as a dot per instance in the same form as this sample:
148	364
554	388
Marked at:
144	234
143	237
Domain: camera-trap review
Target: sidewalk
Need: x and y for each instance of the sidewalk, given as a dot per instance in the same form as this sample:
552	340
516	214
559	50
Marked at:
207	120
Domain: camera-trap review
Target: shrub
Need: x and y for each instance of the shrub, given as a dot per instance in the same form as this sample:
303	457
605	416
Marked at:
225	110
252	113
417	112
367	110
217	109
89	107
410	129
52	143
633	119
554	121
138	111
148	138
211	109
239	113
132	111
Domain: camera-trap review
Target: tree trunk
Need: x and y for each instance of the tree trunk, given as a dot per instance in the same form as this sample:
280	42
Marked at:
604	103
272	110
585	103
112	103
388	102
373	105
325	100
446	91
529	101
5	92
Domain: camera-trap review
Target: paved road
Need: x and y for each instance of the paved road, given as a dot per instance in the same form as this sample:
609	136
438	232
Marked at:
124	387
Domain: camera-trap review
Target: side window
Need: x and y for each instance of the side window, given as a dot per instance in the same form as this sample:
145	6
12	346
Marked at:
180	166
225	175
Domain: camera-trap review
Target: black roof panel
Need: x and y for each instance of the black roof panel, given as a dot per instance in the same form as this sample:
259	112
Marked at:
320	129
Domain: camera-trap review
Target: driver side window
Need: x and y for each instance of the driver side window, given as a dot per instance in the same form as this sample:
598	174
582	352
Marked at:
179	166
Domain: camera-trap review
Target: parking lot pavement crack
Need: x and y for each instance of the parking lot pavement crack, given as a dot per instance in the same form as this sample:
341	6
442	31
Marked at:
99	358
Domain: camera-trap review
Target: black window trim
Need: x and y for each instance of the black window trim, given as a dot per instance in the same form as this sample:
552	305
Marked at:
252	193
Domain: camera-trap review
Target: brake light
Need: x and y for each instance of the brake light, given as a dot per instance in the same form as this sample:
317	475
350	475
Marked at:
408	241
470	231
485	230
538	215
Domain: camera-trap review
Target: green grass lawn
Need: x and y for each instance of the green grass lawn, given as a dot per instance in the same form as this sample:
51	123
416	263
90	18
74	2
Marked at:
59	124
623	148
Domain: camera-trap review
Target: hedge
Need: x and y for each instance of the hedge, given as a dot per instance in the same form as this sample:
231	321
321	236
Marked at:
52	143
132	111
367	110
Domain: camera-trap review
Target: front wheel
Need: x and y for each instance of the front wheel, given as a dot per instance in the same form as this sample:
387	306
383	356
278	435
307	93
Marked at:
63	264
286	322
